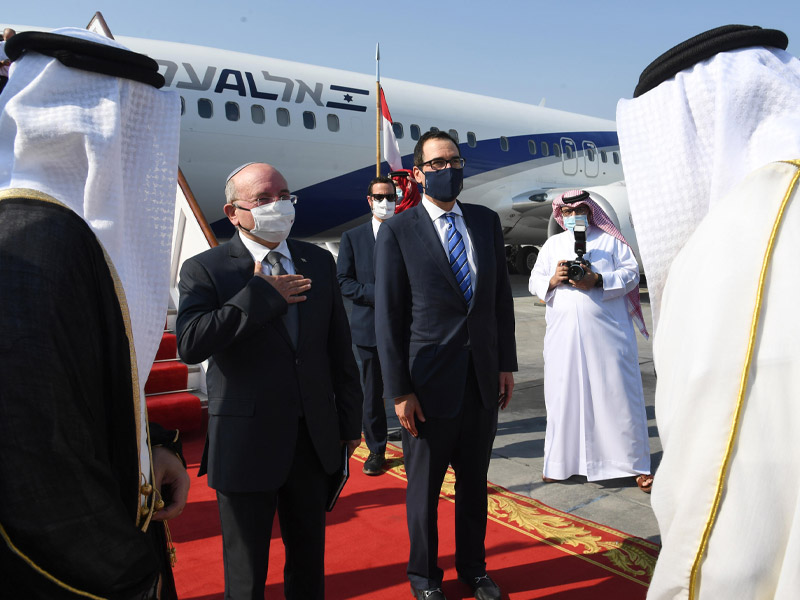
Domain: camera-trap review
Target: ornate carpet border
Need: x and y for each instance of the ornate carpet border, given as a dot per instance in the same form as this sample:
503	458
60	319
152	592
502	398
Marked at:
617	552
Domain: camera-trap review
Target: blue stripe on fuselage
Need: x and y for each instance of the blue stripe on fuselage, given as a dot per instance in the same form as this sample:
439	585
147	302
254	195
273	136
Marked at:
328	204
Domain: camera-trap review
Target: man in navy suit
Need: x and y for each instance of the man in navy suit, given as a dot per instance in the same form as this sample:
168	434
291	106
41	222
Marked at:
444	321
283	389
356	275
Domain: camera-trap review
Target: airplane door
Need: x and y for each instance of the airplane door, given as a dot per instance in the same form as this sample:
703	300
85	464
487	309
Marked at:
591	159
569	156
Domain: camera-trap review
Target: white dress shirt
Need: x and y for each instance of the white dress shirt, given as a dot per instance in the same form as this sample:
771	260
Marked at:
259	253
440	224
375	226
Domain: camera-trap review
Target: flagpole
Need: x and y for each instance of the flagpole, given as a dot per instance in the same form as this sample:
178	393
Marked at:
378	110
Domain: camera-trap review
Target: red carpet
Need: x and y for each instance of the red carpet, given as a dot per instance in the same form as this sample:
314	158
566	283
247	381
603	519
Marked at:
168	402
533	551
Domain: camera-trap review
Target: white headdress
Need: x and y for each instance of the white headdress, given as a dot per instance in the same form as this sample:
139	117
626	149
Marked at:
108	149
689	140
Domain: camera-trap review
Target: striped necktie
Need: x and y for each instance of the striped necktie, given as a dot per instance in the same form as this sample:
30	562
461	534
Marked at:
457	252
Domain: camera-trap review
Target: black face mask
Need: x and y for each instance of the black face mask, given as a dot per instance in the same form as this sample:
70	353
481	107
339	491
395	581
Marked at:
444	185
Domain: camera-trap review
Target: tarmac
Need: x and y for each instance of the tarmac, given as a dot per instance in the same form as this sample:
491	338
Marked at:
518	454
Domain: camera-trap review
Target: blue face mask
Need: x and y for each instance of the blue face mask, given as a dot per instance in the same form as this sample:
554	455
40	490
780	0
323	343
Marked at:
444	185
572	220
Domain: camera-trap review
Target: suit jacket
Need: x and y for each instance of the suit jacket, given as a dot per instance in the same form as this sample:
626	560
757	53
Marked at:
356	275
257	380
425	330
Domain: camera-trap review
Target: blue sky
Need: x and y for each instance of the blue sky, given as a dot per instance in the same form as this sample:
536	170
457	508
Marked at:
579	56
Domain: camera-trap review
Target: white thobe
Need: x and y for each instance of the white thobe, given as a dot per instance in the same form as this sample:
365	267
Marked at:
700	353
596	420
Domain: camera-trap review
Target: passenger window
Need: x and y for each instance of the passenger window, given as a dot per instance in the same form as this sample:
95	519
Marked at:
183	106
257	114
232	111
309	119
615	157
205	108
434	129
472	141
282	116
568	151
545	149
414	132
556	150
503	144
603	156
590	154
398	130
532	147
333	122
453	134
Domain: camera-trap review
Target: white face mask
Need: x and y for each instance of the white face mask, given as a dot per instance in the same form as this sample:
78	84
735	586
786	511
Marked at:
273	221
383	209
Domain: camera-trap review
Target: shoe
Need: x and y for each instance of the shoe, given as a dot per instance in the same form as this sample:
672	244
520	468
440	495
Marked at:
394	436
374	464
482	587
645	483
431	594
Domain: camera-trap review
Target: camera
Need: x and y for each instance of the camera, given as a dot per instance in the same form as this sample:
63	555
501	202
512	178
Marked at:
578	268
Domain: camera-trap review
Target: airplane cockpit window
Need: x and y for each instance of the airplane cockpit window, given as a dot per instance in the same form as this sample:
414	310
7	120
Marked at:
615	157
414	131
532	147
472	140
398	130
556	150
282	116
231	111
453	134
183	106
603	156
333	122
205	108
257	114
309	119
545	149
503	143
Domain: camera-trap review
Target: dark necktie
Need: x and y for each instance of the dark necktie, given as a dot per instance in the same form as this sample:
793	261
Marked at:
457	252
291	319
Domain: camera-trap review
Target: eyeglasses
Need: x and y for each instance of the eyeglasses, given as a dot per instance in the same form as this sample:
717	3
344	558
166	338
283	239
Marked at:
437	164
269	200
577	210
380	197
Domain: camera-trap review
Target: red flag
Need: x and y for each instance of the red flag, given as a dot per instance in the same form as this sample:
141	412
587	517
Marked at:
391	150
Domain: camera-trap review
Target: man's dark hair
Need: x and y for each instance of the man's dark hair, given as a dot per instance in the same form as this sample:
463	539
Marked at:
431	135
379	179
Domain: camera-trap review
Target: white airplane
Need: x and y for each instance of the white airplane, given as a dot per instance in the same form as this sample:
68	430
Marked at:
317	126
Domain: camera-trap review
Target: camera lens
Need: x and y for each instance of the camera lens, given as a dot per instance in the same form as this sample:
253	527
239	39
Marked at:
575	271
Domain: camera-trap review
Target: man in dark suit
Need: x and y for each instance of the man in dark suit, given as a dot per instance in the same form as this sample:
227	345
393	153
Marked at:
282	381
444	320
356	274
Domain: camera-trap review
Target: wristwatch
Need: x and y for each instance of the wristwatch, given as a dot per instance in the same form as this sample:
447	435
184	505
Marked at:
599	282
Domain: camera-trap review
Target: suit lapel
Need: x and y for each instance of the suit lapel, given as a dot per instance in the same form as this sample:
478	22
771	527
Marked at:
480	248
305	267
429	238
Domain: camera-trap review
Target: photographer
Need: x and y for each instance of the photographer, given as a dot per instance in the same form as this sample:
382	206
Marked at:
596	421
